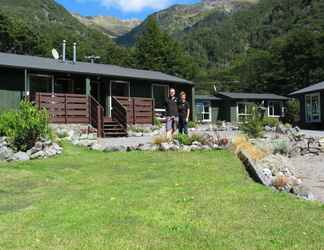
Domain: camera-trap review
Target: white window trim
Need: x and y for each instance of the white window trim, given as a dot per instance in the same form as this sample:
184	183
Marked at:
209	111
281	108
241	114
319	105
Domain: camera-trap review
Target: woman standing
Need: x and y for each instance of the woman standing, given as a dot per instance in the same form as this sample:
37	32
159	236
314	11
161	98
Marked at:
184	113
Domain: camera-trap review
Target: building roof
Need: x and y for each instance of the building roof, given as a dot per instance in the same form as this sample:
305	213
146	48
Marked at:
41	63
207	97
312	88
252	96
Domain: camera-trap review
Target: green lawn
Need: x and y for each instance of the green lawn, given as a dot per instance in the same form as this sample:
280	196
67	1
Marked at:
202	200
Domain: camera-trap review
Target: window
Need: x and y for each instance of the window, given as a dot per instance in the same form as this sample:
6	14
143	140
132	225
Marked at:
203	110
312	108
40	83
275	109
120	88
160	94
244	111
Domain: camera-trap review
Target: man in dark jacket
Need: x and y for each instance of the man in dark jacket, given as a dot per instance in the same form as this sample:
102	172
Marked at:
171	107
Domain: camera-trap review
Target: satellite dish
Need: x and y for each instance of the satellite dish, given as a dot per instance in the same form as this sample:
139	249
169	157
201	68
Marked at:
55	54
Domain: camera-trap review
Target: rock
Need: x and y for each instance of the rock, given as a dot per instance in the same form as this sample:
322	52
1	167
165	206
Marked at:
176	142
147	147
186	148
265	176
165	146
20	156
303	192
281	129
6	153
205	147
196	143
195	147
174	147
268	129
119	148
97	147
50	151
37	155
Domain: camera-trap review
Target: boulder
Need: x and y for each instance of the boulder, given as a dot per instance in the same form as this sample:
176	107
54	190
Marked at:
38	155
303	192
186	148
6	153
20	156
98	147
165	146
119	148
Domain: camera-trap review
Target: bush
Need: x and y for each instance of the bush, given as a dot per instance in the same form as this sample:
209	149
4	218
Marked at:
192	124
183	139
157	122
253	126
280	147
25	126
293	112
271	122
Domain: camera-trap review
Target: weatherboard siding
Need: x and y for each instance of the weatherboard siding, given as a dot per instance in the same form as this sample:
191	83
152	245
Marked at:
11	88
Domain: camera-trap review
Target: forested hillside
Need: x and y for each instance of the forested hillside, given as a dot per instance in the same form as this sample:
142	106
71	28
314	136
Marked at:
273	46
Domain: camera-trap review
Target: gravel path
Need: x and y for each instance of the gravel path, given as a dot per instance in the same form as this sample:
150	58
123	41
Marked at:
313	133
310	169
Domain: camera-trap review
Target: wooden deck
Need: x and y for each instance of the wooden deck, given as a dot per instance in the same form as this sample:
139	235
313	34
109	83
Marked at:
82	109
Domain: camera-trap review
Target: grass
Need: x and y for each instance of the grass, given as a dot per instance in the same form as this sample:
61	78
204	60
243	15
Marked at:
201	200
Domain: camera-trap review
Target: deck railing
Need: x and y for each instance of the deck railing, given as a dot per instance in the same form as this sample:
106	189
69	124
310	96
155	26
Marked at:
139	110
119	112
71	108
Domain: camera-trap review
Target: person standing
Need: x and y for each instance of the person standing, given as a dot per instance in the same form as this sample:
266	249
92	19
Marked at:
171	106
184	113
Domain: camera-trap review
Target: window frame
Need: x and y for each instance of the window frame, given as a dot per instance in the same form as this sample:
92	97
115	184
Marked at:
203	113
269	107
312	120
246	114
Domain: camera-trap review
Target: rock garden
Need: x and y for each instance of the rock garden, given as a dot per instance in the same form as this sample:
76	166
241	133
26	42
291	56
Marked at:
276	155
25	135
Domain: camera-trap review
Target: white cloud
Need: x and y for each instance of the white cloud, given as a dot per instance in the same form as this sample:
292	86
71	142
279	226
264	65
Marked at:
132	5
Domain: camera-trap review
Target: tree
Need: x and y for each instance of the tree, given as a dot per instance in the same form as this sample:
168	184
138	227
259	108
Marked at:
155	50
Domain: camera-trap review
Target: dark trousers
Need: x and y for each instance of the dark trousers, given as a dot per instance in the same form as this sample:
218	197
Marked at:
183	126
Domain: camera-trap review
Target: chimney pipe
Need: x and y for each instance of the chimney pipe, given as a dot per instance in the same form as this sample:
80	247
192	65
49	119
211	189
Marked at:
64	51
74	53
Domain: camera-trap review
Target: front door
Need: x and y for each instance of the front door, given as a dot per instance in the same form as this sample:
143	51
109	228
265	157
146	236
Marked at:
120	88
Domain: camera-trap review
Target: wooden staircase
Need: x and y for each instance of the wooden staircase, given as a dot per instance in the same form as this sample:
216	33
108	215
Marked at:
113	128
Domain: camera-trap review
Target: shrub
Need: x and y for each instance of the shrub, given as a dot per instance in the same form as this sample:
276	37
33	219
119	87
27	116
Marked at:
292	112
192	124
271	122
25	126
253	126
183	139
157	122
280	147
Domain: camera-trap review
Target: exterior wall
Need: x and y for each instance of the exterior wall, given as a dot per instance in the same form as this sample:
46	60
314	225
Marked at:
309	125
12	87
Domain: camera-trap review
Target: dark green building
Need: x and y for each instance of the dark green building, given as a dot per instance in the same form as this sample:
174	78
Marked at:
234	107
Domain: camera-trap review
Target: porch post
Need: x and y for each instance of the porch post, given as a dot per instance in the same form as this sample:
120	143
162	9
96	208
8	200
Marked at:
88	86
26	83
53	86
193	108
109	102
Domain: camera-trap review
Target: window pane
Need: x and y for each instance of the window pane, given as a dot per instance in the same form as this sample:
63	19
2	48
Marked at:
241	108
206	117
160	94
40	84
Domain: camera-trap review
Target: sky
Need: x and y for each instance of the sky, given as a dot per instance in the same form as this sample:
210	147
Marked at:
124	9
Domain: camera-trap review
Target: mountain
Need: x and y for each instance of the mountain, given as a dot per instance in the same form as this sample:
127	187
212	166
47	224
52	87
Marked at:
109	25
180	17
52	23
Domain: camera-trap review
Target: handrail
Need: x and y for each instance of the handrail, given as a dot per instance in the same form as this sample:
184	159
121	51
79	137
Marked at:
96	112
119	112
